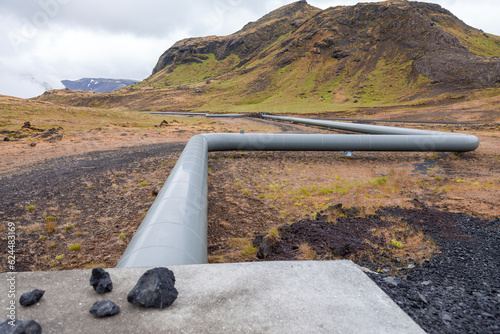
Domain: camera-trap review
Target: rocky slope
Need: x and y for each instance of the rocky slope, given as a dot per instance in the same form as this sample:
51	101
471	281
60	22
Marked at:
245	44
370	54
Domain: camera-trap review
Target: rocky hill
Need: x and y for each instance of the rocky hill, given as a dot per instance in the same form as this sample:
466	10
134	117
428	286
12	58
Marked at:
370	54
245	44
97	85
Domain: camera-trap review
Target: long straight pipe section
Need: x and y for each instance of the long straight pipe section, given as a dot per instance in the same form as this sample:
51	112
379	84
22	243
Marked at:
174	231
361	128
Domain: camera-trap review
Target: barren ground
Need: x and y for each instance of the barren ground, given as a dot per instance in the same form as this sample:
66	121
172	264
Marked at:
93	187
77	200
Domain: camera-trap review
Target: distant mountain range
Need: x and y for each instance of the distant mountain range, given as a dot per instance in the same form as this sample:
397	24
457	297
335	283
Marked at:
98	85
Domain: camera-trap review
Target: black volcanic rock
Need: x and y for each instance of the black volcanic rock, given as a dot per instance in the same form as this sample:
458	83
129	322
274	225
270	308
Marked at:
31	298
98	85
155	289
101	281
20	327
104	308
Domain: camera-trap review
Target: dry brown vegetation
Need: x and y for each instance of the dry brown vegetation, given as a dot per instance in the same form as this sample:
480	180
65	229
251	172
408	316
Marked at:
249	192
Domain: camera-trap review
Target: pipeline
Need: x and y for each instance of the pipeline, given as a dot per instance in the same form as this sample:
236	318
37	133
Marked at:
174	231
192	114
362	128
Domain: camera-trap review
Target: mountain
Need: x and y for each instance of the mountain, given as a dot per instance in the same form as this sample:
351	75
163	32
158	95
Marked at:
243	45
301	58
98	85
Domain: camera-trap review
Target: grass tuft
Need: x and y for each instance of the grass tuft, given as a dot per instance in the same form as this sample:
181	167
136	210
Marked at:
50	226
397	244
75	247
306	253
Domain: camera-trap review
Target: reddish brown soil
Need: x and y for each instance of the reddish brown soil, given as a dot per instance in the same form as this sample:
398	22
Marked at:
99	198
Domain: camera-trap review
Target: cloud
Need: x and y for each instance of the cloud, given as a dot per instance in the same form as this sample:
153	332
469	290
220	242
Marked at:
46	41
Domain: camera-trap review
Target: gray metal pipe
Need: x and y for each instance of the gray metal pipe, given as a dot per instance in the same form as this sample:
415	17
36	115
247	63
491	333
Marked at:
226	115
174	231
319	142
361	128
174	113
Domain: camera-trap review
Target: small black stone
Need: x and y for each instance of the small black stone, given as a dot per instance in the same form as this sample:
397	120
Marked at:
20	327
101	281
265	244
104	308
6	139
391	281
155	288
31	298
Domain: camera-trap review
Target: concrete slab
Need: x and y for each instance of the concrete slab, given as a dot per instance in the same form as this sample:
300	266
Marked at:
267	297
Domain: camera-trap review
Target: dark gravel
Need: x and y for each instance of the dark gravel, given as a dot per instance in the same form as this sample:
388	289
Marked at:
58	175
455	291
458	290
62	184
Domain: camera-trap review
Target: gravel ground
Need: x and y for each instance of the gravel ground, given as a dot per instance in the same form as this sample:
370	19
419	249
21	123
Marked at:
98	200
458	290
455	291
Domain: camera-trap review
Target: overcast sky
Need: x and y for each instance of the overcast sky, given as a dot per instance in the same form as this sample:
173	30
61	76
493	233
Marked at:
45	41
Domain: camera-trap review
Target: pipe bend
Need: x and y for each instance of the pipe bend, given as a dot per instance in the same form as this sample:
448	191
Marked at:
175	229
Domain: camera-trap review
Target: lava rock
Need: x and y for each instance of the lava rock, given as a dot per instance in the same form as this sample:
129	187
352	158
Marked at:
446	317
31	298
391	281
351	212
155	289
56	138
421	299
104	308
101	281
20	327
265	244
28	126
455	290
